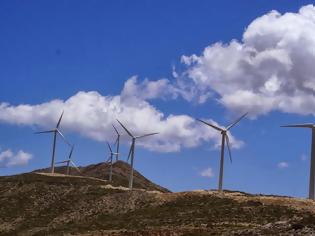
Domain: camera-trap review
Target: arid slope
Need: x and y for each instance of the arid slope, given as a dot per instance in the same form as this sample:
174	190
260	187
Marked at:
121	171
45	204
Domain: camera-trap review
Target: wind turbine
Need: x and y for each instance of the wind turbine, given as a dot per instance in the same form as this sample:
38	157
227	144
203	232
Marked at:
117	142
132	150
55	131
225	138
69	161
311	194
110	160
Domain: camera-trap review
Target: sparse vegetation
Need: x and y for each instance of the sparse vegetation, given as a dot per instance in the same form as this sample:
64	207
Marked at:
42	204
121	172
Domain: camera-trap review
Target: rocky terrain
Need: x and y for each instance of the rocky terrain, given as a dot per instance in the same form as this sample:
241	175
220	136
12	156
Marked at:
46	204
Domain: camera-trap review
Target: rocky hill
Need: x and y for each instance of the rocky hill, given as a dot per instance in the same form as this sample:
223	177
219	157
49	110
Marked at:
121	171
45	204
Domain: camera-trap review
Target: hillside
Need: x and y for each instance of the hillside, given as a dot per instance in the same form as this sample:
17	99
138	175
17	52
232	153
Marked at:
45	204
121	172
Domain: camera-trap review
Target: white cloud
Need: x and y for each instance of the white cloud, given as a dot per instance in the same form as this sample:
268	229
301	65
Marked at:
147	89
162	89
283	165
10	159
272	68
92	115
207	173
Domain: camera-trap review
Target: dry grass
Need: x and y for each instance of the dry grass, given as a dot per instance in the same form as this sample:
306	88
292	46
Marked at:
45	204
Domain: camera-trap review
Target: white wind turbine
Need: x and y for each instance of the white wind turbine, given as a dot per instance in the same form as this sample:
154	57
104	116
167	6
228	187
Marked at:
132	150
69	162
110	161
117	142
55	131
225	138
312	167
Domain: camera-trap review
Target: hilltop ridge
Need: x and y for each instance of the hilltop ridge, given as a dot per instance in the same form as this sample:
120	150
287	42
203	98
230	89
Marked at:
40	203
121	172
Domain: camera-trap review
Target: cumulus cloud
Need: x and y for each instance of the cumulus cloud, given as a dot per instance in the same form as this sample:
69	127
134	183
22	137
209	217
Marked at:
283	165
207	173
271	68
92	115
164	89
147	89
10	159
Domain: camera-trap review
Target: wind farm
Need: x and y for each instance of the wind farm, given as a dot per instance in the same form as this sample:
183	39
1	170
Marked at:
117	176
113	189
157	118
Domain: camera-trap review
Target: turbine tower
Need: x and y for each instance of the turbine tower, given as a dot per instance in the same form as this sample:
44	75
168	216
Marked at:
55	131
311	194
117	142
225	138
132	150
69	161
110	160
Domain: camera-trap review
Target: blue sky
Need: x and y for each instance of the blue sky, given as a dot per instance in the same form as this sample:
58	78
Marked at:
104	60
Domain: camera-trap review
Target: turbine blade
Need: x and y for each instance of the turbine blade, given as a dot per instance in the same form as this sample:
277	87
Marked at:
75	166
59	121
125	128
70	155
213	126
61	162
109	147
108	160
116	141
235	122
44	132
115	130
131	147
142	136
63	137
229	147
298	126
